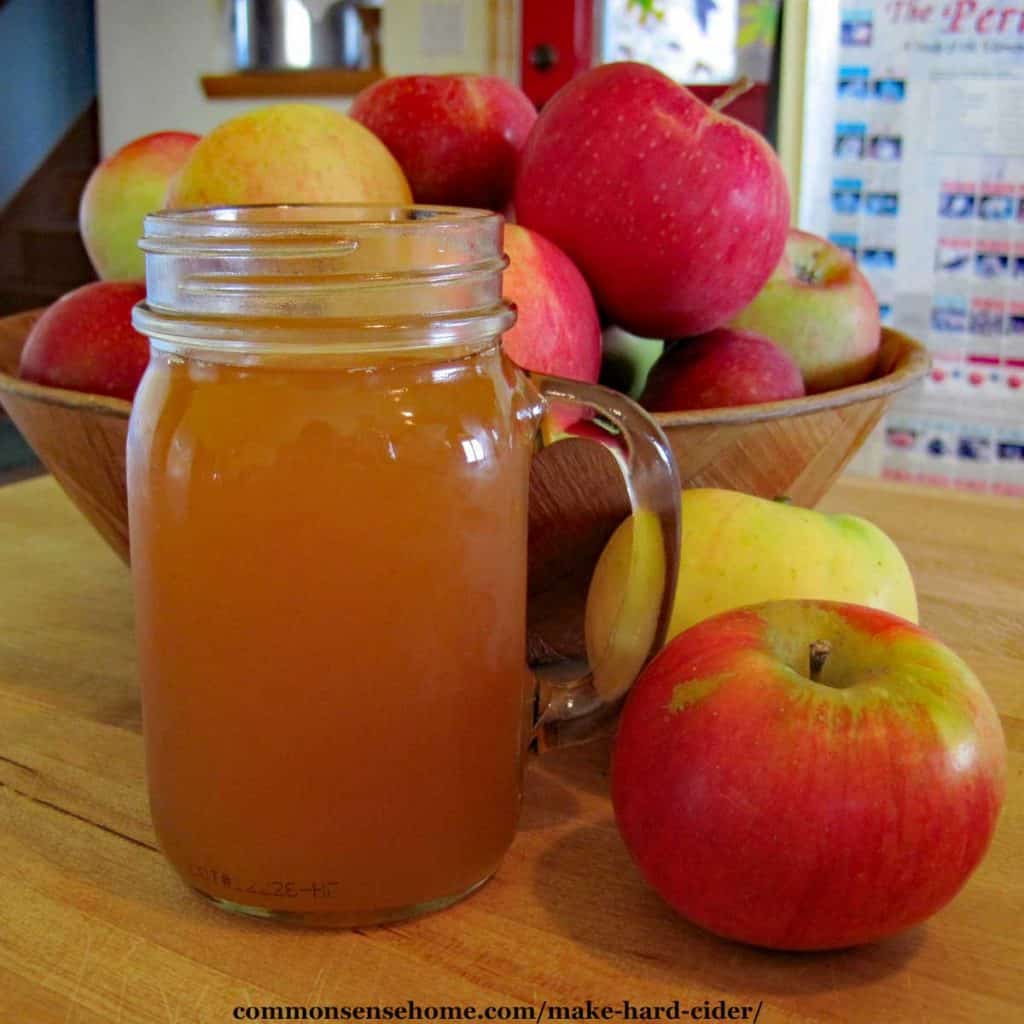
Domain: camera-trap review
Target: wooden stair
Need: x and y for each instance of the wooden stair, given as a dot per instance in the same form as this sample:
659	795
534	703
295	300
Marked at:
41	251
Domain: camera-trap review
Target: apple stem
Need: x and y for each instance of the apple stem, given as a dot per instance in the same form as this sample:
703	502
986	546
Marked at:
734	92
820	650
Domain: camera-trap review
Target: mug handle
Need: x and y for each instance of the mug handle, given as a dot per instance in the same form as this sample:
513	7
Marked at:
570	706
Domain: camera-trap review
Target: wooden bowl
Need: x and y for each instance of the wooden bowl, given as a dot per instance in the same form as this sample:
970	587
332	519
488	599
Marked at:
79	438
794	448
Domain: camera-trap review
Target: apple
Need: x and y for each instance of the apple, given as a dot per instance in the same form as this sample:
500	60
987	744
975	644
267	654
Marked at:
626	360
557	330
676	214
807	774
737	549
289	153
457	137
820	308
721	368
118	195
85	341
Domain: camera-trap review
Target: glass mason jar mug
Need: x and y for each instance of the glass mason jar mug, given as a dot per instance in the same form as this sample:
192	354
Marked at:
328	466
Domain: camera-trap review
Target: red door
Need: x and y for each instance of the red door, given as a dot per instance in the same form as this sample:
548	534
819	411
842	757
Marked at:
557	43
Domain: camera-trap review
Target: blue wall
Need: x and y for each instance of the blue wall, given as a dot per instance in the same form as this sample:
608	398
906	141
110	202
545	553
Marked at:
47	78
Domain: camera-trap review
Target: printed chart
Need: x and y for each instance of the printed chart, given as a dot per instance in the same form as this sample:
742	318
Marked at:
927	193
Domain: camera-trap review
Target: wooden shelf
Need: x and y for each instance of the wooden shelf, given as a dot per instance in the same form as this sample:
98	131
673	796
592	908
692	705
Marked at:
311	82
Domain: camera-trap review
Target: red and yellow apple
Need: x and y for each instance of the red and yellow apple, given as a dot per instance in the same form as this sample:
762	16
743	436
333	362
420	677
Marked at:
456	137
118	195
85	341
721	368
557	330
821	309
288	153
801	800
676	214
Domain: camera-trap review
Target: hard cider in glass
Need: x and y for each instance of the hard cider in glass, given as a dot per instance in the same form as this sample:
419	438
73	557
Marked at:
328	469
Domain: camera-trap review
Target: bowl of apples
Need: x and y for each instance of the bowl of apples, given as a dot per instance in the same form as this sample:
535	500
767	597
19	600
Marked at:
651	250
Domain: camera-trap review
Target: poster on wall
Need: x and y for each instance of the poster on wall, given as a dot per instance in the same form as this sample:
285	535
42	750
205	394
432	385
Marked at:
926	190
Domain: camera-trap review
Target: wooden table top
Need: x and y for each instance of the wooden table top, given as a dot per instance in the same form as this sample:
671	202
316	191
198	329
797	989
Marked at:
95	926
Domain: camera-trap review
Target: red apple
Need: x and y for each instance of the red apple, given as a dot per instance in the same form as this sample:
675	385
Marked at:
721	368
557	330
85	341
120	192
676	214
820	308
457	137
801	807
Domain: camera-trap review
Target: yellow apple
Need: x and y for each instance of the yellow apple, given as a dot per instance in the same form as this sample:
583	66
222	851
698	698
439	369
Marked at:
739	550
289	153
120	192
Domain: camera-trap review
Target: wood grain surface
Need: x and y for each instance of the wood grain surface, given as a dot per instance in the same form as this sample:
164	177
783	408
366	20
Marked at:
95	928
